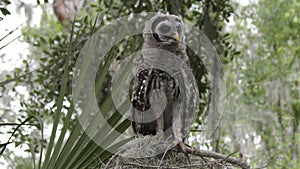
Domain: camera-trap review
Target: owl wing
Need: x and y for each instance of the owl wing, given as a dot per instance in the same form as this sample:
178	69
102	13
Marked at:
192	101
140	103
185	113
154	92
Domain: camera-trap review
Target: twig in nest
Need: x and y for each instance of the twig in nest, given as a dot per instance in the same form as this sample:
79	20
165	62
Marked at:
170	167
161	161
114	156
166	167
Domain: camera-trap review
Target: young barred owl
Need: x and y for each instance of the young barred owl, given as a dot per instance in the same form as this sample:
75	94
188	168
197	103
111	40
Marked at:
164	91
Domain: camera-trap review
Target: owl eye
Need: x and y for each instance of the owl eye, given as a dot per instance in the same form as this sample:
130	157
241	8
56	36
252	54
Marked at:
164	28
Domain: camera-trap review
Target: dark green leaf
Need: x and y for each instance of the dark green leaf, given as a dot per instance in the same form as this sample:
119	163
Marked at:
4	11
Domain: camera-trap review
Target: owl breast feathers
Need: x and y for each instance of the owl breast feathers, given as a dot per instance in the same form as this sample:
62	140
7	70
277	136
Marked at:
164	91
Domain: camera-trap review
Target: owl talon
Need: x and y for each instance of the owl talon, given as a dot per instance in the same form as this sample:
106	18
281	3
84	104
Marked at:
161	136
180	145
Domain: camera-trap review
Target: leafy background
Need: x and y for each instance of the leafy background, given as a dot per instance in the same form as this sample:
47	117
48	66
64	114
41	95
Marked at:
258	44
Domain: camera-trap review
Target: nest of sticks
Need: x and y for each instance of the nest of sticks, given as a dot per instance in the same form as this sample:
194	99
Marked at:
149	152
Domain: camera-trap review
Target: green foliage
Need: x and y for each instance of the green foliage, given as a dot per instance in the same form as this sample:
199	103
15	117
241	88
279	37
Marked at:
20	162
3	5
266	82
5	11
55	51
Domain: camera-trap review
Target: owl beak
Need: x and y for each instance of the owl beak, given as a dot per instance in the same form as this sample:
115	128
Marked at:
176	37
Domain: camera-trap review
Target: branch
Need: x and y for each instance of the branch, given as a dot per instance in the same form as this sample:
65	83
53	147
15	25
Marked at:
206	14
11	32
11	124
210	154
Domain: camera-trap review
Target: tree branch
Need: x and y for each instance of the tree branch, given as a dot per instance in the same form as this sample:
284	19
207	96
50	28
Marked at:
205	15
211	154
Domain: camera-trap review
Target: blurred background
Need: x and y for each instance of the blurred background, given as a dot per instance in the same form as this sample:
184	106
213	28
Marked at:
257	42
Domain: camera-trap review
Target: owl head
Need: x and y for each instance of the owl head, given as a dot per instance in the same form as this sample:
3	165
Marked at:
164	29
